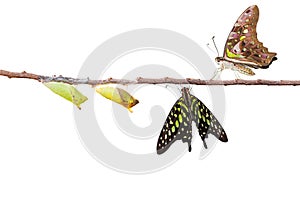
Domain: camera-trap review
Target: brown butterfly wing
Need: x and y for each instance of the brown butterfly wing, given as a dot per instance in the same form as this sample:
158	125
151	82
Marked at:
242	45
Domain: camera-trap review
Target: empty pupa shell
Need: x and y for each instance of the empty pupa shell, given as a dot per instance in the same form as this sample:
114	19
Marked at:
118	95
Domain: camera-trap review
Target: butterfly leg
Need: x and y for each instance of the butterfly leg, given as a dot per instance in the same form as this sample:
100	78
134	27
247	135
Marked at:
217	74
237	76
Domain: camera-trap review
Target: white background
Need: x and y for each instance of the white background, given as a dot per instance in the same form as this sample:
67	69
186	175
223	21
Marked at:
41	154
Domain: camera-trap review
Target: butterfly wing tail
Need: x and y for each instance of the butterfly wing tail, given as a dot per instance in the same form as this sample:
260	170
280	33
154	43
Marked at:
206	122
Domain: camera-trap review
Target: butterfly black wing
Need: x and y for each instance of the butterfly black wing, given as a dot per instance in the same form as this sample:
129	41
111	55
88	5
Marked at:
178	126
206	122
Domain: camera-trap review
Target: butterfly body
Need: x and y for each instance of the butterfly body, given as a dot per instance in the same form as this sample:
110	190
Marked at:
242	47
178	125
237	67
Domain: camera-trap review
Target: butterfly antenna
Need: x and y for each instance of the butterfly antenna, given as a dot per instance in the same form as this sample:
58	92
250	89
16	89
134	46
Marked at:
213	39
208	46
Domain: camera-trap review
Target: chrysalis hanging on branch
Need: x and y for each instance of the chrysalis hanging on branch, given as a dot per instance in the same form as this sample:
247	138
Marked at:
118	95
67	91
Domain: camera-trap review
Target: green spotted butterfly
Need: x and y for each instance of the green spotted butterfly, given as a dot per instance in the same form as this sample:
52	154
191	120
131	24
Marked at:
178	125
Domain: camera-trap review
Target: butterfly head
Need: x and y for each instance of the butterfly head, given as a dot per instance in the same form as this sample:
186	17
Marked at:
219	60
186	94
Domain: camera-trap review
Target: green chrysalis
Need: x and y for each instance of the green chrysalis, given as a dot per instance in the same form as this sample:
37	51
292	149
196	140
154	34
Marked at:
67	91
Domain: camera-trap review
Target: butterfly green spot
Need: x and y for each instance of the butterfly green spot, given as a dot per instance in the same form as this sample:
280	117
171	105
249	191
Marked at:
232	55
173	129
180	118
183	105
199	115
177	124
242	38
193	102
208	122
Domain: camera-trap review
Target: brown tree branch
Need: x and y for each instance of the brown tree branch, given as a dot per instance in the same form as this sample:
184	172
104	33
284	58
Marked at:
140	80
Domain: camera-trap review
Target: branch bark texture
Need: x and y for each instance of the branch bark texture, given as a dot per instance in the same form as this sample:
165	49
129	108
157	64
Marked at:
141	80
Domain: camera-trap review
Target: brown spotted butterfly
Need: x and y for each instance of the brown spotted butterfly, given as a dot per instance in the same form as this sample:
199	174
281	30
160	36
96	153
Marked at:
242	49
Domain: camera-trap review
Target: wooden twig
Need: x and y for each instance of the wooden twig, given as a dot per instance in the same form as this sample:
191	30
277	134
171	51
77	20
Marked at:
140	80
